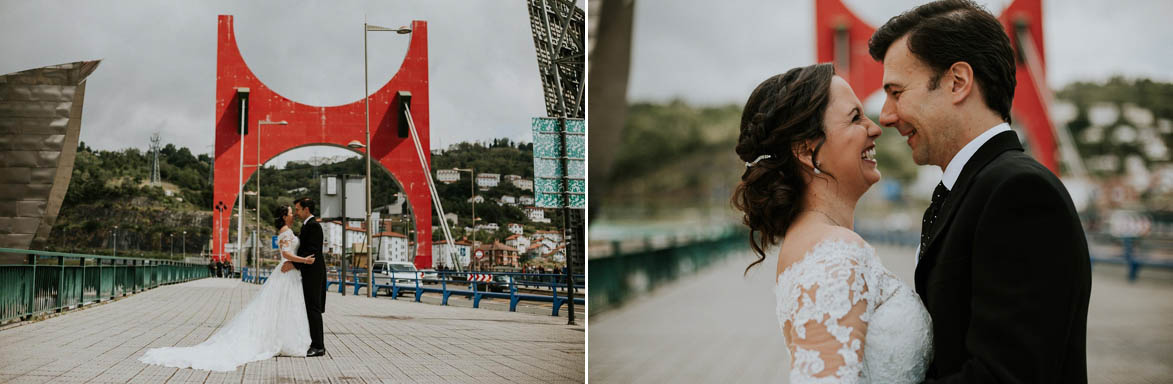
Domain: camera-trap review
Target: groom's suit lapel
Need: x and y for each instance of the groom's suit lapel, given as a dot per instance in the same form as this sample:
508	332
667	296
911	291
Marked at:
1002	142
300	238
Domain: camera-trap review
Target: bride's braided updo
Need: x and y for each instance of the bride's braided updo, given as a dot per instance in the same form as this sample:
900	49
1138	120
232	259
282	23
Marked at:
782	113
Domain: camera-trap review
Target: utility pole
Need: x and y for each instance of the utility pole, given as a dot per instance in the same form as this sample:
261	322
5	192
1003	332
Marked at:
155	140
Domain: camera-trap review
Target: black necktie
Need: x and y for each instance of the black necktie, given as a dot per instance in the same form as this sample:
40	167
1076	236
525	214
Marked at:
939	196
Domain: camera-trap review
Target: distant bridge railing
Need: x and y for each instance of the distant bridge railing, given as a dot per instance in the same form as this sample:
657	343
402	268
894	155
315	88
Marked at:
517	287
1135	252
894	237
630	268
545	287
623	269
36	282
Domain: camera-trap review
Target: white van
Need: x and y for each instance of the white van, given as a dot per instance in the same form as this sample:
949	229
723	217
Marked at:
403	272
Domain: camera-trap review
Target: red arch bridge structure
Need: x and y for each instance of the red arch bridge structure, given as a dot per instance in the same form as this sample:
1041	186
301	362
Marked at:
841	38
399	132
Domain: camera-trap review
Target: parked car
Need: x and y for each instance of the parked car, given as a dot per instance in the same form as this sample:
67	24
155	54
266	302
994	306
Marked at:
500	283
429	275
404	273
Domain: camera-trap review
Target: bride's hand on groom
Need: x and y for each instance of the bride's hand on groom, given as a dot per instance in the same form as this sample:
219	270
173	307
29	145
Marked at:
309	260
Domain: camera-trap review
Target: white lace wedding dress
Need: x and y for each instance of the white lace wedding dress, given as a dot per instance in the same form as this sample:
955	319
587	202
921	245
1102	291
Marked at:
847	319
273	323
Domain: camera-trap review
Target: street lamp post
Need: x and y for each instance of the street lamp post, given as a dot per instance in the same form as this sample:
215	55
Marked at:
240	183
472	191
256	249
367	107
115	240
172	237
220	208
184	240
354	144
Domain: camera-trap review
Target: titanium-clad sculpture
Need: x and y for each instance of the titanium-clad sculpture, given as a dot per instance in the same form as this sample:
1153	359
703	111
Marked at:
40	122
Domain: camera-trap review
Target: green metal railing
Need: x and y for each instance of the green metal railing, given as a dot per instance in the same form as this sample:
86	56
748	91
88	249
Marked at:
54	281
622	274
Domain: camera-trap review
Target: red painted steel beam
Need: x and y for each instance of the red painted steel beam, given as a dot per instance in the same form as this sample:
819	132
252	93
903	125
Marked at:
318	125
1031	93
866	75
863	73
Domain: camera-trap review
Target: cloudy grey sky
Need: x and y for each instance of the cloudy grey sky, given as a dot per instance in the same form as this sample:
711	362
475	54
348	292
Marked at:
715	52
158	67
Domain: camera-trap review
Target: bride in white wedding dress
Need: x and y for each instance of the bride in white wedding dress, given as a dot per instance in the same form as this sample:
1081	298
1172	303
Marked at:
273	323
810	155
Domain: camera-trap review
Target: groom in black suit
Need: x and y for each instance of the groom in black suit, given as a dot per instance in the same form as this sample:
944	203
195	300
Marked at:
313	276
1003	264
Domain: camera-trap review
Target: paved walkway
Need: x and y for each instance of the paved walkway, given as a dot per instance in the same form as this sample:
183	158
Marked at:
719	327
368	340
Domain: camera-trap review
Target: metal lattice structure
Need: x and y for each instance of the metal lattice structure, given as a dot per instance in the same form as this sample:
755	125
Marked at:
559	26
559	30
155	147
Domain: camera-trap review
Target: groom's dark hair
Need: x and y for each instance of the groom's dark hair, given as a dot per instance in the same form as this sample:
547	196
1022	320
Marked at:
945	32
306	203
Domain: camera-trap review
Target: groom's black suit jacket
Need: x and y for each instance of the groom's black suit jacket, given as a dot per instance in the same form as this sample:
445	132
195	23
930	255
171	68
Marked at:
313	276
1006	275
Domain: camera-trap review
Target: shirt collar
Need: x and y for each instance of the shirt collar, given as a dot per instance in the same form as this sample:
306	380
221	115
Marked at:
307	220
953	170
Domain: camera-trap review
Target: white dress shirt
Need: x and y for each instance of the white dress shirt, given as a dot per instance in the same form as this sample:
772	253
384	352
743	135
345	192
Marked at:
953	169
307	220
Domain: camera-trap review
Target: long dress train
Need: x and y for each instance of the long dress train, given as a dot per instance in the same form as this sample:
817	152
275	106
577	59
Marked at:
273	323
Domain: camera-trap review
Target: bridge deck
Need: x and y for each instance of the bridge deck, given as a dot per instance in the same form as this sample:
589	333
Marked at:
367	340
719	327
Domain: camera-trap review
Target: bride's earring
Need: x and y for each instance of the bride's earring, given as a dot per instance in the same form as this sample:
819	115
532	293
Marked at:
816	165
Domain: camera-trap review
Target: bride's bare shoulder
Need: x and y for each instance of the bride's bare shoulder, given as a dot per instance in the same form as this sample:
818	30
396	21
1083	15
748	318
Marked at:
801	240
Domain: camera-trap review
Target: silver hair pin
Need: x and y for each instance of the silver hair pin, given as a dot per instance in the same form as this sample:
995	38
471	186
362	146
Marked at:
755	161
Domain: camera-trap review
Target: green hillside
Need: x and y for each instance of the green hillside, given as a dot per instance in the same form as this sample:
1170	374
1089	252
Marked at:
111	188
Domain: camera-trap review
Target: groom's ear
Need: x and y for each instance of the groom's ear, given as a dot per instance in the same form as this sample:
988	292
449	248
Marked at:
959	79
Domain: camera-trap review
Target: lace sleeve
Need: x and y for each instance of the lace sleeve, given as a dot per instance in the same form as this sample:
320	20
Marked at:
285	243
825	306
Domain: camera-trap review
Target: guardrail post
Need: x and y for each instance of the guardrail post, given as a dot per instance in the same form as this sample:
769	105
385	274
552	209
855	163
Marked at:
120	276
394	288
60	280
512	295
444	288
98	294
418	293
1130	258
33	287
476	295
356	277
569	293
81	286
